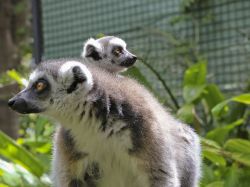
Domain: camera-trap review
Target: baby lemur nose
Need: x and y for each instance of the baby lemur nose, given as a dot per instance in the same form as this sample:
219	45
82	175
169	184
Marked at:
134	58
11	102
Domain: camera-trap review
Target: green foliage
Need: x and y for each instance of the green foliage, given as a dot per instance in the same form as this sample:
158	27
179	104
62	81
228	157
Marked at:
26	161
12	151
226	154
13	74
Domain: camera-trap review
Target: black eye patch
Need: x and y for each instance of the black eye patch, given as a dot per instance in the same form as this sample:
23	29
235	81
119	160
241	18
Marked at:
41	88
79	77
117	50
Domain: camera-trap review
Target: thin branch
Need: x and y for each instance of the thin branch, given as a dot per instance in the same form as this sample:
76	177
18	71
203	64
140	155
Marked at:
174	100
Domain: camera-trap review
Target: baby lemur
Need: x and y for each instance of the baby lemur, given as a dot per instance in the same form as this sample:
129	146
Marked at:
108	52
114	132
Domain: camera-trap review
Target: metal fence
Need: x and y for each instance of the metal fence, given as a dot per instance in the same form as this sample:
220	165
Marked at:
158	30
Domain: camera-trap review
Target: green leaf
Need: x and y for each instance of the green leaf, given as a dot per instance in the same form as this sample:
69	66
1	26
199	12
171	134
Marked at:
17	77
3	185
192	92
214	156
196	74
194	82
209	143
40	146
185	113
212	95
216	184
221	108
244	98
244	176
208	174
242	158
15	176
238	145
40	123
239	149
232	176
220	134
17	154
99	35
9	175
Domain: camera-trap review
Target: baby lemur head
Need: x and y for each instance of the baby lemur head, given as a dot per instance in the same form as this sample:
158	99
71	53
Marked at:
109	52
54	88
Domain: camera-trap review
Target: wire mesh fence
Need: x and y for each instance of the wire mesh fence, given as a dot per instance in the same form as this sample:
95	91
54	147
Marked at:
167	33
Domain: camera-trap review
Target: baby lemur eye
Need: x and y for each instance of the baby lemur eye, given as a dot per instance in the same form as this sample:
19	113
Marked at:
40	85
117	51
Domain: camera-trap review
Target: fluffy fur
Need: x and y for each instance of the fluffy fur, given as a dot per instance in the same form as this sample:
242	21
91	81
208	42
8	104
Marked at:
113	131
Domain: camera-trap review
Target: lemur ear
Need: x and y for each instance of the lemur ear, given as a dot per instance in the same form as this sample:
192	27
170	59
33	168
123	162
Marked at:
92	49
74	74
78	77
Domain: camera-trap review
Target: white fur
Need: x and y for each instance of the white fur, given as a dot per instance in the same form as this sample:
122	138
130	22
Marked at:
93	42
118	41
36	75
118	167
66	72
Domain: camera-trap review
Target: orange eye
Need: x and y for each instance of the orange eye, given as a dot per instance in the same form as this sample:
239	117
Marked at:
40	86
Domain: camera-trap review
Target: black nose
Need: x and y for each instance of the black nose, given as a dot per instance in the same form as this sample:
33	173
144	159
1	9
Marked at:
11	102
18	104
132	60
22	106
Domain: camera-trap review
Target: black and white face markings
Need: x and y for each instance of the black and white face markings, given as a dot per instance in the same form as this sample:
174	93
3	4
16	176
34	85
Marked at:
109	52
50	83
33	98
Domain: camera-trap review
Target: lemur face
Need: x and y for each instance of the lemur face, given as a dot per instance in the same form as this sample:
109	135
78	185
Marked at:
109	52
52	86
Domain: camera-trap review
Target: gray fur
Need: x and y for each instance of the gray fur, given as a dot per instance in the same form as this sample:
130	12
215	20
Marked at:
130	134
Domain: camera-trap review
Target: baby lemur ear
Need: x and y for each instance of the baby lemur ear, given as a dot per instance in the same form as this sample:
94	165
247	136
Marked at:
92	49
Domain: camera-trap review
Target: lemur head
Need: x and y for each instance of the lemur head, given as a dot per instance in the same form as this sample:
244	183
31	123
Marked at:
53	87
109	52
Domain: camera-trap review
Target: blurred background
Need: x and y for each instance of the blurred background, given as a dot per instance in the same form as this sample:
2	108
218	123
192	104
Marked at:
194	57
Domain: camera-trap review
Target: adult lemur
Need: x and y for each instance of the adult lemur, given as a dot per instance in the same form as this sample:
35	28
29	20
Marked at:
113	126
